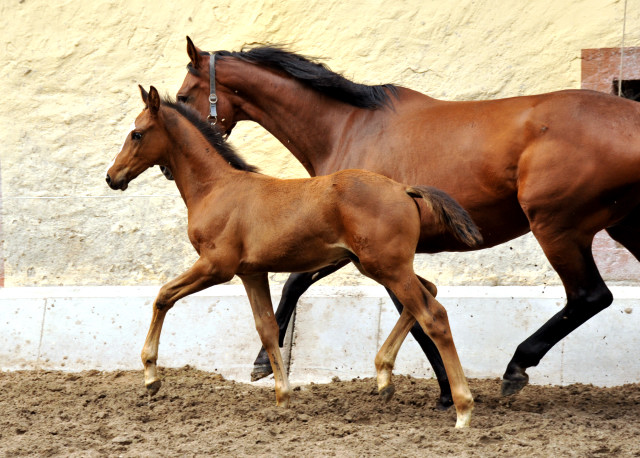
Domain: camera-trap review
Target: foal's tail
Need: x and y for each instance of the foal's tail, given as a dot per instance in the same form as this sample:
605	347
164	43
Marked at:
448	213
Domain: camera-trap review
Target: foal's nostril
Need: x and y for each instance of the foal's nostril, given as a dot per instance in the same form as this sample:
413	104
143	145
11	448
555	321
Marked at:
108	179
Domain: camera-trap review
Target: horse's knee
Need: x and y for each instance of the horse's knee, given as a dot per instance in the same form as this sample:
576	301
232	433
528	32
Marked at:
297	284
163	300
584	305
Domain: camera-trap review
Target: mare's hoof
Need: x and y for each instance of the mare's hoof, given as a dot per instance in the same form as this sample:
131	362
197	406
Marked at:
387	393
443	403
513	386
260	371
153	387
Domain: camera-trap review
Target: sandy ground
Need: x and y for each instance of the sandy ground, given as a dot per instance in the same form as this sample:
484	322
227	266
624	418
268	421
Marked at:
198	413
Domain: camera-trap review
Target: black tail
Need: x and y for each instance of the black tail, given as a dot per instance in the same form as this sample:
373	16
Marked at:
449	214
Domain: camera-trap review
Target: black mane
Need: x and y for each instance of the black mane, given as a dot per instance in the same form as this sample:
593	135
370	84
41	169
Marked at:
212	134
317	76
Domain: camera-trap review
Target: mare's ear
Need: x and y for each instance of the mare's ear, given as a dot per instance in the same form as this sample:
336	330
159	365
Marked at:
154	101
145	95
194	53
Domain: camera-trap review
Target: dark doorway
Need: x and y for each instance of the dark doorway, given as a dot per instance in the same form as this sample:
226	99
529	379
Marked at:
630	89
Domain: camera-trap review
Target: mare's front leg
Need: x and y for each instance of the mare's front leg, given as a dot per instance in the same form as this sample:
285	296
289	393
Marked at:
295	287
587	295
257	287
198	277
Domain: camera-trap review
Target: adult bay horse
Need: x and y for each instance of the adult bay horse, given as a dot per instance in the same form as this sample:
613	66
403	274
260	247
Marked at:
247	224
564	165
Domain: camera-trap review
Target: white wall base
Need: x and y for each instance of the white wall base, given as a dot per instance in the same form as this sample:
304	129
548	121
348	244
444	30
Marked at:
337	332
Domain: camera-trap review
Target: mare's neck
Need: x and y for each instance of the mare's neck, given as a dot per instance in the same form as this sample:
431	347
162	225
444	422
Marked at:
306	122
196	166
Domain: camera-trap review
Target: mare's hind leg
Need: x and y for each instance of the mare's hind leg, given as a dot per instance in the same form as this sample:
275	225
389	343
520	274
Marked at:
627	233
570	255
257	287
428	347
197	278
295	287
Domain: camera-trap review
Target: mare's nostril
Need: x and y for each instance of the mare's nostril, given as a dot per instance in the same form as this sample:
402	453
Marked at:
108	179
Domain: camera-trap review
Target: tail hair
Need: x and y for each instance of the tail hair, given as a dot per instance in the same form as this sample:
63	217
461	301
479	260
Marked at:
448	213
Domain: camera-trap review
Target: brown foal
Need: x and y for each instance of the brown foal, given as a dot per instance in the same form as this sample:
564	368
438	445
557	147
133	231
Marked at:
248	224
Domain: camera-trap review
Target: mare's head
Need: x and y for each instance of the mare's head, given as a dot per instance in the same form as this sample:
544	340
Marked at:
145	146
196	89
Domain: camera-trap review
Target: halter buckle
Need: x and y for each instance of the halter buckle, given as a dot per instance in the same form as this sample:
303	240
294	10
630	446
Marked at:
213	99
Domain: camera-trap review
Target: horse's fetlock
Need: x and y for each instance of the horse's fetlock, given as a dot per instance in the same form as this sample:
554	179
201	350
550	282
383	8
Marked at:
383	364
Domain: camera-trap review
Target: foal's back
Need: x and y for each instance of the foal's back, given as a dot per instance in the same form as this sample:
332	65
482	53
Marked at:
302	224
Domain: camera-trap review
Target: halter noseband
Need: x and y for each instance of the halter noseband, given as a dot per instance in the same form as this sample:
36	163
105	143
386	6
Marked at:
213	98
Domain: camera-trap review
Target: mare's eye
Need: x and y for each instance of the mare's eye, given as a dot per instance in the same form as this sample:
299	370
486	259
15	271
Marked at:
136	135
183	98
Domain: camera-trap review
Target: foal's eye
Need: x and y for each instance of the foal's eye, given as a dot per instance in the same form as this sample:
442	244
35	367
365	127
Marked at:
136	135
183	98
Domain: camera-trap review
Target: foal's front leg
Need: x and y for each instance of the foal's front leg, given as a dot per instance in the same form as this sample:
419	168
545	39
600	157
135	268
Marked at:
257	287
197	278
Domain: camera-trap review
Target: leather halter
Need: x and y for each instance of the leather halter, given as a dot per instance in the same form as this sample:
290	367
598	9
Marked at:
213	98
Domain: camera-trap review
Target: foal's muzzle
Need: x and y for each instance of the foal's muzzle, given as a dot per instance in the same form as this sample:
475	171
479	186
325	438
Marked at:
122	185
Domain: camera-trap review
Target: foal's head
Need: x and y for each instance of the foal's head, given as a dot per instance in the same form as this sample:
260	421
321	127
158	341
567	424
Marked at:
146	145
158	134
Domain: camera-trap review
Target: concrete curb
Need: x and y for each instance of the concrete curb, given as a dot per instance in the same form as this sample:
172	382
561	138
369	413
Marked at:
337	332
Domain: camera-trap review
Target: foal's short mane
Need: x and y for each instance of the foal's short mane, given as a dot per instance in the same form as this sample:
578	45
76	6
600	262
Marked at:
212	134
316	75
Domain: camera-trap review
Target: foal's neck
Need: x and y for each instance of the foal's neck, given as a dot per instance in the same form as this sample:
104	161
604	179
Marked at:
196	166
306	122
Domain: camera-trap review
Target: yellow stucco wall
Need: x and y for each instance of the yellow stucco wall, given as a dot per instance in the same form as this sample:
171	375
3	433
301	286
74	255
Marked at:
68	83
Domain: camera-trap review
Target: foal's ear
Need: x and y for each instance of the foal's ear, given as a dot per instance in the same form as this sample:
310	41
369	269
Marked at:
145	95
194	53
154	101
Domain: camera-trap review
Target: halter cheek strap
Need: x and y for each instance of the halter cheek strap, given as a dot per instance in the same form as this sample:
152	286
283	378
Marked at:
213	98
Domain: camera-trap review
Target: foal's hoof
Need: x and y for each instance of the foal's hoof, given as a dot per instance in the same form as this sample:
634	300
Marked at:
387	393
153	387
443	403
260	371
515	384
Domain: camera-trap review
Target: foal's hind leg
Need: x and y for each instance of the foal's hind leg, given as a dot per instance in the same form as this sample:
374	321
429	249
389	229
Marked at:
295	287
571	257
428	347
197	278
257	287
433	319
386	357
